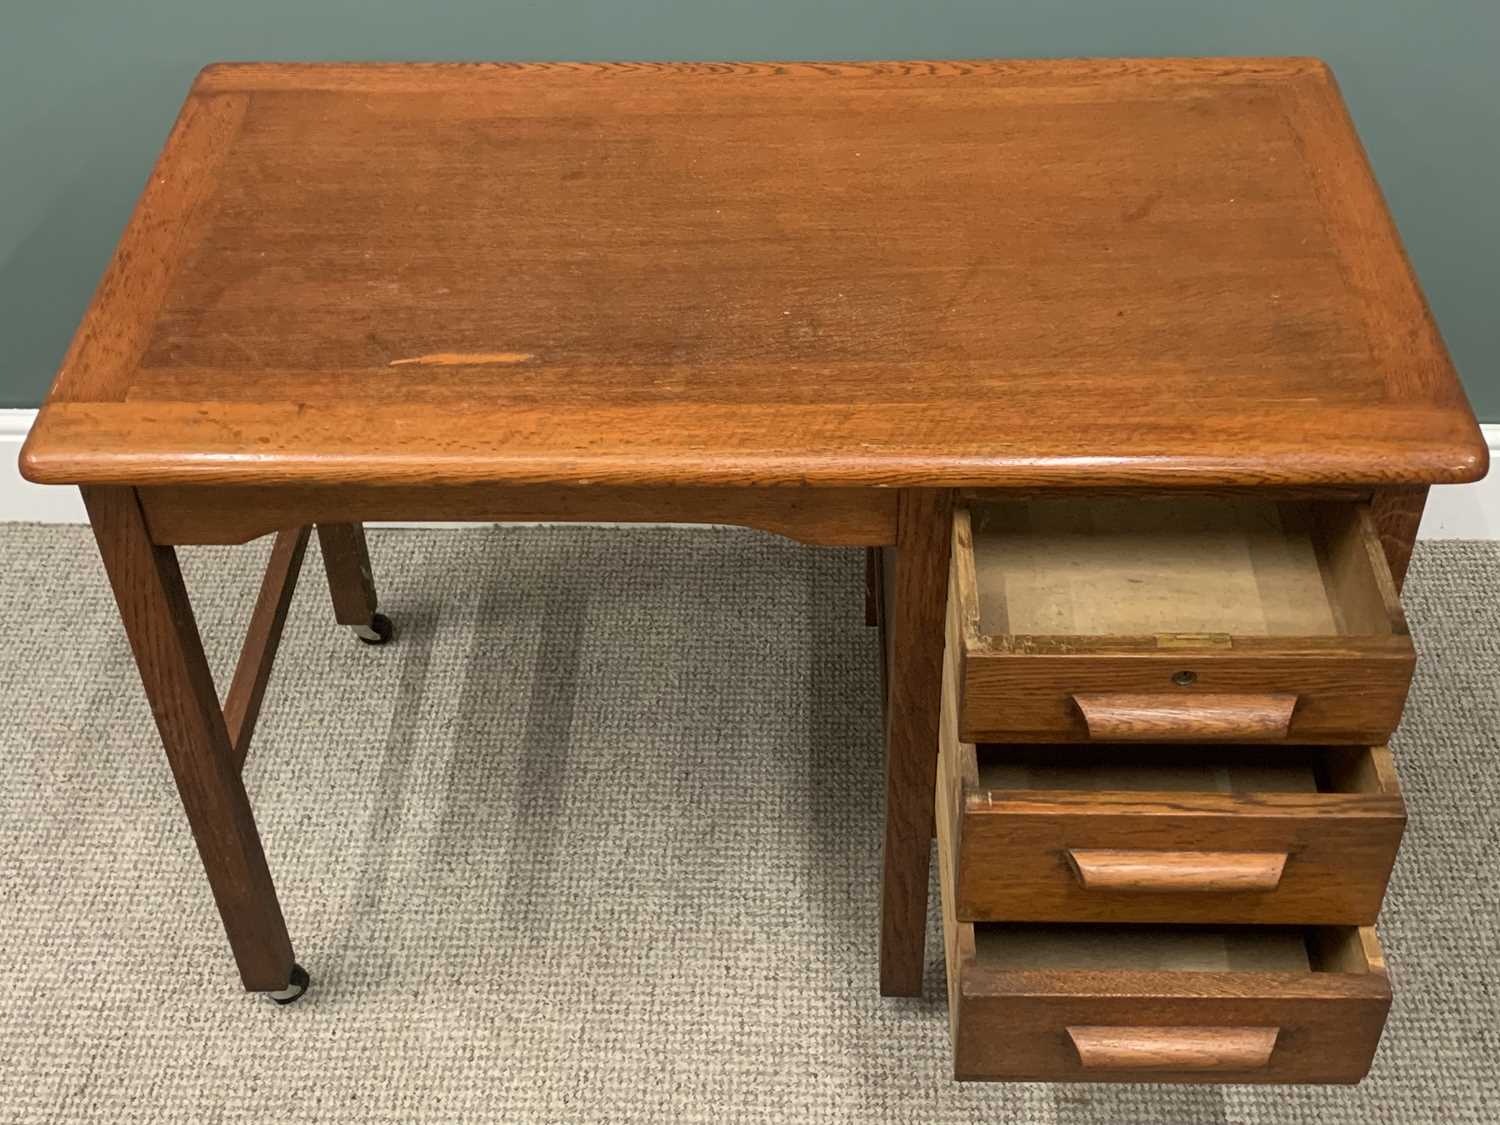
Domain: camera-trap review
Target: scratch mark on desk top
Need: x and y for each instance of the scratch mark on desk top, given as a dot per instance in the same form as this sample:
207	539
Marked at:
462	359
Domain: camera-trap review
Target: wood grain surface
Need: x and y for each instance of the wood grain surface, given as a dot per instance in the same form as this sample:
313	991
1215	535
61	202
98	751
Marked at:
1012	847
916	611
1015	847
935	274
159	621
234	514
1174	1048
1012	1017
351	580
1397	514
1013	1022
262	638
1185	872
1160	717
1348	686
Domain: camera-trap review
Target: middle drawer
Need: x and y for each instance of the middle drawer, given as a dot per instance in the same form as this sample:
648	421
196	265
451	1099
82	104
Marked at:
1143	833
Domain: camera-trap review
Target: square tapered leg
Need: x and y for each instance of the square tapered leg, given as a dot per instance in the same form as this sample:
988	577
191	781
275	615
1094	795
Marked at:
159	622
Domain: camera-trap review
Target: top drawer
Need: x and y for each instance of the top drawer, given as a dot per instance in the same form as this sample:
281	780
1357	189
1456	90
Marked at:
1162	619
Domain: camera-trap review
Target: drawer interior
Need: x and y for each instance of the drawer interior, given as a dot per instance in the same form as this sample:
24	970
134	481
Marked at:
1180	767
1195	565
1014	947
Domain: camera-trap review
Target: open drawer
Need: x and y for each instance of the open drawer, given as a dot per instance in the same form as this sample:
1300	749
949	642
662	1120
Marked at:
1165	1004
1176	619
1174	834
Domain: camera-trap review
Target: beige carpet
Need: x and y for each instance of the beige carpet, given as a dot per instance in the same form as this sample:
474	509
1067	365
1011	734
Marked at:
596	840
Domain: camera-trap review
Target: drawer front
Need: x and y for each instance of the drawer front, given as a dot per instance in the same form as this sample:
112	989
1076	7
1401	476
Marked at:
1236	696
1106	1027
1055	856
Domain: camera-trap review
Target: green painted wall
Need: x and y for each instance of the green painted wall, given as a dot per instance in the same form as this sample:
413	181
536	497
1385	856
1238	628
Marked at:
89	89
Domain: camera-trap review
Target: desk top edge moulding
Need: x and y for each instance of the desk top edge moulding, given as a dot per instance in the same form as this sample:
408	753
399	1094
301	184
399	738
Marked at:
1077	273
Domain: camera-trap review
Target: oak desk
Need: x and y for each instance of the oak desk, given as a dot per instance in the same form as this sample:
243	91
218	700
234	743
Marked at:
829	300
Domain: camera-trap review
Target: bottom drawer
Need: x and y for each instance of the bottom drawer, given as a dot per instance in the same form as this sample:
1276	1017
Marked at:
1159	1003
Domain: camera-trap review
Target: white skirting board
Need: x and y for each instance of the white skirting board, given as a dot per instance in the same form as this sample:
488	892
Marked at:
1466	511
20	500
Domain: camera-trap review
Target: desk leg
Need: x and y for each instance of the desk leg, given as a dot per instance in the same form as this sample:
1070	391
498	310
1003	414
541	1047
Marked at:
351	581
1398	513
159	622
919	596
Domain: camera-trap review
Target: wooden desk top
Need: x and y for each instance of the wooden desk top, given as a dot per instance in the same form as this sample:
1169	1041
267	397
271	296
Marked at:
964	274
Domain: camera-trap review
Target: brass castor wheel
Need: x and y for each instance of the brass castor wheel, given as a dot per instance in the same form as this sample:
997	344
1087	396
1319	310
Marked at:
295	987
377	632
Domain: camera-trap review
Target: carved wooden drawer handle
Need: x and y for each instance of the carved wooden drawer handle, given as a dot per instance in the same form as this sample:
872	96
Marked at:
1174	1048
1153	718
1155	872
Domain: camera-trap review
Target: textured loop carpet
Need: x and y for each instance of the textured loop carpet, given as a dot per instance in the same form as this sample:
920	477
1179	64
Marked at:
597	839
